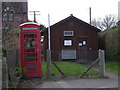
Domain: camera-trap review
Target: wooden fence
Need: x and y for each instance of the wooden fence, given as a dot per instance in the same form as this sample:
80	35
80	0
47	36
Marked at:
10	64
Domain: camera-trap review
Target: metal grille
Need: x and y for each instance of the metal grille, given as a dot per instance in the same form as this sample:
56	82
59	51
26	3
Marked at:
68	54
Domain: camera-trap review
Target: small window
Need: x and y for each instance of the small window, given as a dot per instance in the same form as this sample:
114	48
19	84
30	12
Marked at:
8	16
68	33
80	44
82	41
67	42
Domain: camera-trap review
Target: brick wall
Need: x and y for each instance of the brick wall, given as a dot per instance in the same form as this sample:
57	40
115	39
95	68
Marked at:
11	28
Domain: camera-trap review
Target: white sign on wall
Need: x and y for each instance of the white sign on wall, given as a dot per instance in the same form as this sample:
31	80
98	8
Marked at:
67	42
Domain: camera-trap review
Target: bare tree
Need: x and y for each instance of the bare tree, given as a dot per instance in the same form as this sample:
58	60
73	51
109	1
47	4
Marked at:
107	22
97	23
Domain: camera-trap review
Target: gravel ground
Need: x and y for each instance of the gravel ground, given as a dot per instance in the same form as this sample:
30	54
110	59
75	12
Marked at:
30	83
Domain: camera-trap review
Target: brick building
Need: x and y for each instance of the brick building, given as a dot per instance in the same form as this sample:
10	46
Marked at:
13	14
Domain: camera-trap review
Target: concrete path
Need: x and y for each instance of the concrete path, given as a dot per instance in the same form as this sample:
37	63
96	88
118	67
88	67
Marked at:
108	74
111	82
81	83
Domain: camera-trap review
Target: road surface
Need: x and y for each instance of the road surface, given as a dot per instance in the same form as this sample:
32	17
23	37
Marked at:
81	83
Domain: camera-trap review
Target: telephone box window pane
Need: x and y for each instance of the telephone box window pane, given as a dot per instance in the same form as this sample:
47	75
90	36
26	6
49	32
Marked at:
29	45
29	41
30	64
29	50
30	59
30	55
32	69
29	35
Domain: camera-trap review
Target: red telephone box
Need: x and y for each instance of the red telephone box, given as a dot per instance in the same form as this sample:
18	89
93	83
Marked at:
30	49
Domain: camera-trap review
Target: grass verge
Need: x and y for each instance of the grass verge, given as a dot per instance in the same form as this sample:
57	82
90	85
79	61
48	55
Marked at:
69	69
113	66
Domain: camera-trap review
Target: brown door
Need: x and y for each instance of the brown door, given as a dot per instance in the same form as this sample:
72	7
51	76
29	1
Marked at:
82	49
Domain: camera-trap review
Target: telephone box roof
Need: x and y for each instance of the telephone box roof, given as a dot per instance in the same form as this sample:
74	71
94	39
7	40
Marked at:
29	23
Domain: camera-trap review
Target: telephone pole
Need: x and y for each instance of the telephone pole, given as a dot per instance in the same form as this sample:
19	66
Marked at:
34	13
90	14
49	51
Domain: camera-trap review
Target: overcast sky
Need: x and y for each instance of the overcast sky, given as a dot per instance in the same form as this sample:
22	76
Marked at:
60	9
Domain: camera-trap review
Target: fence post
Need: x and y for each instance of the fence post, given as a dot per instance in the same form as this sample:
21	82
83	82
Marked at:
102	63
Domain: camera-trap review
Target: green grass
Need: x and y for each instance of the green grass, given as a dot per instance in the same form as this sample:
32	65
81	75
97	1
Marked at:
112	66
69	69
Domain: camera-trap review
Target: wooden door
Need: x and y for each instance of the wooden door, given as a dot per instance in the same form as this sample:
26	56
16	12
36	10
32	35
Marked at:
82	49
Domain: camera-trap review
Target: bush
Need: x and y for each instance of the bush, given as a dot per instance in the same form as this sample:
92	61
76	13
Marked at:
109	42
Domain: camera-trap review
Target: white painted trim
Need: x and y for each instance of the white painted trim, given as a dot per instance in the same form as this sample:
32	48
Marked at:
29	23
